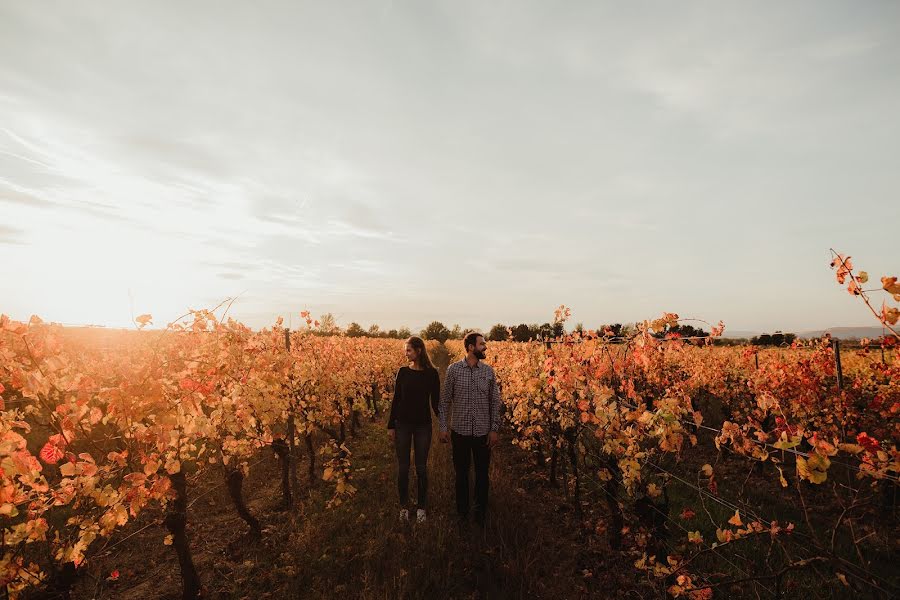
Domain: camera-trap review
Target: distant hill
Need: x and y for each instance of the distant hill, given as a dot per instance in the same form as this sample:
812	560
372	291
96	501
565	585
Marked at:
842	333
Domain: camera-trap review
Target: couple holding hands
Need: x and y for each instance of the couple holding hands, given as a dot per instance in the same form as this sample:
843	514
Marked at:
468	409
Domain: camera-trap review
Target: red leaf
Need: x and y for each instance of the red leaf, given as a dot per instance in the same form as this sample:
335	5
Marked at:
51	453
868	442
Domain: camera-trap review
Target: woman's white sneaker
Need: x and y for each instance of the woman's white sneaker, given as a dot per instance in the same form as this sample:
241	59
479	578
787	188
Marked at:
420	515
404	515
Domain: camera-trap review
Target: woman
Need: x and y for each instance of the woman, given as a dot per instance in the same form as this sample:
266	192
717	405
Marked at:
417	386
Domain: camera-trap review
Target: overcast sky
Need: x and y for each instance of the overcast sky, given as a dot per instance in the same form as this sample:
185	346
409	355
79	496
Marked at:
471	162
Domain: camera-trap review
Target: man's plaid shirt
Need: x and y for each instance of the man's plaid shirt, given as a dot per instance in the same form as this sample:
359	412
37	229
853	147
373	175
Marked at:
473	395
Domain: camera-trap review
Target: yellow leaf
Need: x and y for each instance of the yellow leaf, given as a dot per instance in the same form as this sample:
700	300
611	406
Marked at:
813	469
851	448
863	277
173	466
707	470
328	473
168	540
736	519
121	514
784	444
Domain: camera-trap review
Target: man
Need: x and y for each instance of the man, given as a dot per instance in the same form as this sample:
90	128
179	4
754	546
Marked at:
471	398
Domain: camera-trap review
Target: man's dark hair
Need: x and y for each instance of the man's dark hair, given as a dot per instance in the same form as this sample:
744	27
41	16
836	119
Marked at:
471	339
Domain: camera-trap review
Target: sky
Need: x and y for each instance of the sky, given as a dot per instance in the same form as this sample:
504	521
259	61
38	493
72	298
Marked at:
399	162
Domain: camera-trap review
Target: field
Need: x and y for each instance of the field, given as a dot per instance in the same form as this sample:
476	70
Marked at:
211	460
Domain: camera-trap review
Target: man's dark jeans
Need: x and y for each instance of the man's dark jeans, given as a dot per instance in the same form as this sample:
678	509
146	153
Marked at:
468	449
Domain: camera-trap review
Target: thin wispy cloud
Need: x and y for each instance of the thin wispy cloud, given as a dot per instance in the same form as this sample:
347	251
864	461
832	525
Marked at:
10	235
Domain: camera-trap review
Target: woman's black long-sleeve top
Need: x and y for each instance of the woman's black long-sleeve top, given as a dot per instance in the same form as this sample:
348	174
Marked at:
413	392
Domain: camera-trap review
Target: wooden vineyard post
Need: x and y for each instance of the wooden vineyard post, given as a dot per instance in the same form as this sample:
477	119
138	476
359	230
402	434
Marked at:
283	452
289	482
554	456
836	344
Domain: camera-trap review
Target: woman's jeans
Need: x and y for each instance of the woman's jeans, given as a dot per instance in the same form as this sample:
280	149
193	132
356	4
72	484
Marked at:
406	437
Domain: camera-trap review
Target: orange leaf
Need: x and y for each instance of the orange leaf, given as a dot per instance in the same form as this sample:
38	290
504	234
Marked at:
890	285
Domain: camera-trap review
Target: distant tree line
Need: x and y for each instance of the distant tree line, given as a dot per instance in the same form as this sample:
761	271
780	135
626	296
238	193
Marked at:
524	332
356	330
438	331
684	331
435	330
774	339
327	325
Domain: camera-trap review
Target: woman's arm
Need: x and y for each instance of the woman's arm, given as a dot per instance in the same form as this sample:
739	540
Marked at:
395	401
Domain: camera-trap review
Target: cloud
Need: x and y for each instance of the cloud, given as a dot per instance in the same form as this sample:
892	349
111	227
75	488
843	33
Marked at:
362	265
231	265
339	228
11	235
170	157
16	195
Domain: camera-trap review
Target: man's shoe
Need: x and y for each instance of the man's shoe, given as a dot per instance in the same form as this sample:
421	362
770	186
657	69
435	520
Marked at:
404	515
420	515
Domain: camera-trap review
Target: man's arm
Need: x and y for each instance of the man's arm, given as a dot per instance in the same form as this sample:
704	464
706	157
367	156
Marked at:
446	396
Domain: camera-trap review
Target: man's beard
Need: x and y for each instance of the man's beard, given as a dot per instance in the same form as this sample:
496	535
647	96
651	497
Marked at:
479	355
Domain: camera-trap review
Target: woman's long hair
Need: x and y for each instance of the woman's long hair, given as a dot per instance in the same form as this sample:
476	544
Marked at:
418	344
